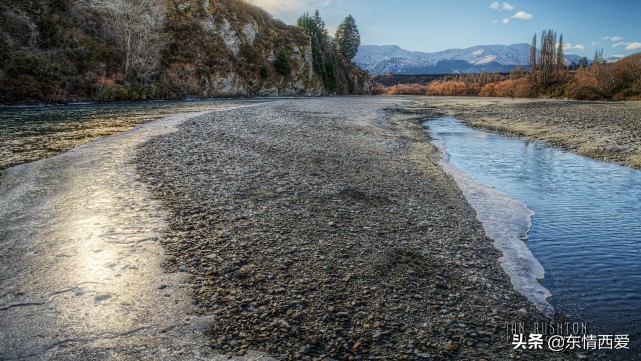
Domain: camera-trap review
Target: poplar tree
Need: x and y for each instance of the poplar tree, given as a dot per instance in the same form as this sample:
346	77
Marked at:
533	53
560	57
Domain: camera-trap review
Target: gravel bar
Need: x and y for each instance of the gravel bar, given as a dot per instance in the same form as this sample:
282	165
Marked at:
609	131
325	229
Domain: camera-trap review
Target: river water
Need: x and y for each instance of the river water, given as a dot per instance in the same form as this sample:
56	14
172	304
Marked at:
32	133
586	228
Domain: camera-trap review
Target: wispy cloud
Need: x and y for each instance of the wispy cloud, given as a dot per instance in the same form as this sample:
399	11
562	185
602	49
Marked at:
522	15
505	6
570	46
501	6
618	44
614	39
633	46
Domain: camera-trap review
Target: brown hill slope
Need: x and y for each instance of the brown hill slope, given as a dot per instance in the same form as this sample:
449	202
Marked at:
69	50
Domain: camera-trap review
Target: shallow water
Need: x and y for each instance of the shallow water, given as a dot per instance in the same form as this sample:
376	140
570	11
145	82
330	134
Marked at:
586	231
31	133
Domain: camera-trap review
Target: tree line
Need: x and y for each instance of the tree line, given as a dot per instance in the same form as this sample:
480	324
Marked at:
548	75
332	58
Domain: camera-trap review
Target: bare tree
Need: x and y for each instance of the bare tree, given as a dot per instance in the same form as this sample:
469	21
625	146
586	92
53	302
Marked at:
533	53
560	57
136	24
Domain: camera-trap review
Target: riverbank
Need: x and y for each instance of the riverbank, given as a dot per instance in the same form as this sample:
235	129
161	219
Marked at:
326	228
28	134
602	130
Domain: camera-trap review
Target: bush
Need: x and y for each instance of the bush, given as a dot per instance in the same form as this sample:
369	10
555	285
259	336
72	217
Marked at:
263	72
281	64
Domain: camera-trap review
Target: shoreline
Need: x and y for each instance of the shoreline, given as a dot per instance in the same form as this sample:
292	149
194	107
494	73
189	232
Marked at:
327	228
81	262
606	131
507	221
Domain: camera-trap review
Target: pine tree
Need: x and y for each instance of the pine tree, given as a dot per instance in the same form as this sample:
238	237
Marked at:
281	64
320	25
347	38
315	28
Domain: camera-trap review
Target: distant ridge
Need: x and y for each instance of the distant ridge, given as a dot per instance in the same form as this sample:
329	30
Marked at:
382	59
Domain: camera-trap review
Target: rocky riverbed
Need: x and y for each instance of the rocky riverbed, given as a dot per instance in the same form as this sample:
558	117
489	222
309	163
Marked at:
325	228
609	131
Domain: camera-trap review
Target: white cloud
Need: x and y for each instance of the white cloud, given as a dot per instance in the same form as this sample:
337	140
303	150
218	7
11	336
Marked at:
619	44
522	15
569	46
613	38
501	6
505	21
633	46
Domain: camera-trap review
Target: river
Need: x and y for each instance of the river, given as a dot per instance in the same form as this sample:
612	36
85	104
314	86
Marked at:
586	228
30	133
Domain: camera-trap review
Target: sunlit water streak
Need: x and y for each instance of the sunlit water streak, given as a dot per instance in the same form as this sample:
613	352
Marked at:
587	229
80	260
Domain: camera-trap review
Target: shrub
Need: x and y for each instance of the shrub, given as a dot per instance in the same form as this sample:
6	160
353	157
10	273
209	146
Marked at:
281	64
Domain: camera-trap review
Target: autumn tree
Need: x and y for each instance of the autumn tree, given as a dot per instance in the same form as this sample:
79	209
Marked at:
348	38
550	65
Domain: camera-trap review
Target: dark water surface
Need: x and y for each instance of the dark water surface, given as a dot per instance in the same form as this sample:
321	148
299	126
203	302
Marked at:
31	133
586	231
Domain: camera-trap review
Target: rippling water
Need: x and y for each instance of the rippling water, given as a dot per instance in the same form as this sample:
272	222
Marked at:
586	231
31	133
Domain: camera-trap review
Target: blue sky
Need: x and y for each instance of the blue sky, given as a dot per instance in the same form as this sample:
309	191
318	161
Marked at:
430	25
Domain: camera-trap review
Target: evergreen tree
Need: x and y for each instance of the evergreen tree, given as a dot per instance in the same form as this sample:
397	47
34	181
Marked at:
583	63
332	82
315	28
347	38
281	64
320	25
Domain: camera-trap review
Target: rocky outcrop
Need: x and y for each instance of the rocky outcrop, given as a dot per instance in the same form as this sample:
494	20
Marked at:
202	48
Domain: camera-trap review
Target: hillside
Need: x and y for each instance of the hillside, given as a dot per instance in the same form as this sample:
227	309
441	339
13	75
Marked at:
99	50
483	58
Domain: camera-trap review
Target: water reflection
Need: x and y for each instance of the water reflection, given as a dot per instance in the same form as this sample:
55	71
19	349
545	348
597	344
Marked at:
80	273
31	133
587	228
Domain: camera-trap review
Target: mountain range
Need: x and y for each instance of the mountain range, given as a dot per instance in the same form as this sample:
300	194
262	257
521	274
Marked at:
382	59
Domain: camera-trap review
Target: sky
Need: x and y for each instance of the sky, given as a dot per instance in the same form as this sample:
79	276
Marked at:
435	25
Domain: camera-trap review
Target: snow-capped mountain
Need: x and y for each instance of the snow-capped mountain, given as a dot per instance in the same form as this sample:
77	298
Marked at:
484	58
